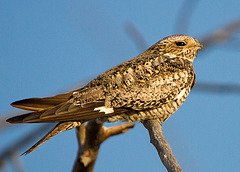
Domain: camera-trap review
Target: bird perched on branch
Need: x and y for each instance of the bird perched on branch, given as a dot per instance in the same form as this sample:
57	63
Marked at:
152	85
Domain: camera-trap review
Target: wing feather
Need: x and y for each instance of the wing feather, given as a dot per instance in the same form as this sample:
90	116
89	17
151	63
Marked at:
78	113
38	104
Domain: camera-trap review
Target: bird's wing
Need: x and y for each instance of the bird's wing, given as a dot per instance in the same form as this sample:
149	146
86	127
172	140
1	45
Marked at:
62	108
38	104
67	112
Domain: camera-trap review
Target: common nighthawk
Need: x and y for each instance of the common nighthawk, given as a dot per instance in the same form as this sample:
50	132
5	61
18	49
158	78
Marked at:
152	85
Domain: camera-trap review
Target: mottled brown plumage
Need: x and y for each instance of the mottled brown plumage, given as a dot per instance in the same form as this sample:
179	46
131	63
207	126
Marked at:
151	85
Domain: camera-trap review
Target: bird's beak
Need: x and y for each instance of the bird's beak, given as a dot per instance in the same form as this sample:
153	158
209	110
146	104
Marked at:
200	46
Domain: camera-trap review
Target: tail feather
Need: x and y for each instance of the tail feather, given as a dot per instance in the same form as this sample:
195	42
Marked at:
57	129
18	119
38	104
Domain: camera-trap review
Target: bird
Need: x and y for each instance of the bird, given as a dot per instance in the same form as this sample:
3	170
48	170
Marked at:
152	85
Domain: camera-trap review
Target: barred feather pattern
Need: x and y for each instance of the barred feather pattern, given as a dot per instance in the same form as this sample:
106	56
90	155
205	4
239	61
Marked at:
162	113
147	85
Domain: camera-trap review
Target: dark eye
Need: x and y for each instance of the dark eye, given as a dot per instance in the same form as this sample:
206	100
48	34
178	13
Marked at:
180	43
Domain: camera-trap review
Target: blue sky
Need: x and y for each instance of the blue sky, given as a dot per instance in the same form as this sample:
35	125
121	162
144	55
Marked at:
49	47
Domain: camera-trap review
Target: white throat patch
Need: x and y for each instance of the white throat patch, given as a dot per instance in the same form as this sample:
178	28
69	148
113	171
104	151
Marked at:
179	96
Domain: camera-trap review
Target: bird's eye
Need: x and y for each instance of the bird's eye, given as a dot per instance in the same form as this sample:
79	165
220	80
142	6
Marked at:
180	43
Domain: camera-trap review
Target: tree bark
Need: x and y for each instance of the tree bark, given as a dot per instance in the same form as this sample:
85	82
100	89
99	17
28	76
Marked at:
154	128
90	137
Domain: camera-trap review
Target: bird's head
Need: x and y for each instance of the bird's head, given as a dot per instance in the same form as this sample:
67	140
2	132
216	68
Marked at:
181	46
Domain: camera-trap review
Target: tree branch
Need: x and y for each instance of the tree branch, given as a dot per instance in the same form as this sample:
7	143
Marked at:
154	128
24	141
90	137
222	35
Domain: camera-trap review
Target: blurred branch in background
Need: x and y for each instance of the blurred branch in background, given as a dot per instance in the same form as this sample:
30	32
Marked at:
222	35
12	150
218	88
185	13
136	36
16	161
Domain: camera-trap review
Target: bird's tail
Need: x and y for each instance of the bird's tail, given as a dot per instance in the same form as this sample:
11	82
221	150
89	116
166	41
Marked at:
62	126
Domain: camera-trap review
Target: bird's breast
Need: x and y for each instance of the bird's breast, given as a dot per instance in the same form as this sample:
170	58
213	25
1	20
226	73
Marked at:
162	112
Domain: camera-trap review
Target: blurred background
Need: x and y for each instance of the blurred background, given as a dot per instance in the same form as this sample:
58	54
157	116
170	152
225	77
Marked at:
51	47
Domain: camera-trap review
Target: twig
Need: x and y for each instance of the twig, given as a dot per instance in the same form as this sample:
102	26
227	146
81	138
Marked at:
217	88
17	164
221	35
164	150
136	36
185	15
90	137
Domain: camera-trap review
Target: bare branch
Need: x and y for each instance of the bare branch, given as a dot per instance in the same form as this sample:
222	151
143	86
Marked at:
185	13
118	129
217	88
90	137
2	163
15	159
154	128
24	141
136	36
221	35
